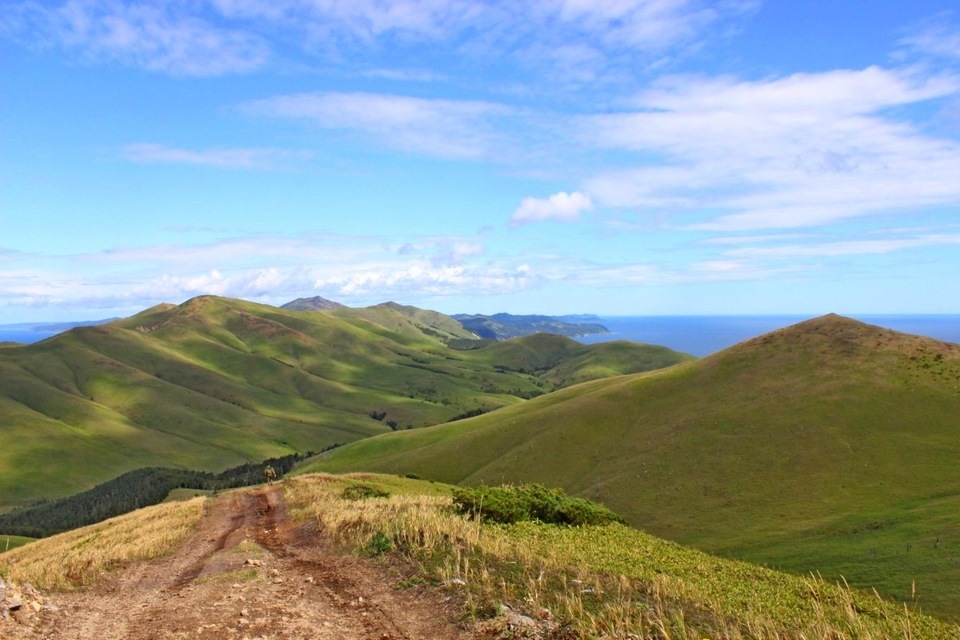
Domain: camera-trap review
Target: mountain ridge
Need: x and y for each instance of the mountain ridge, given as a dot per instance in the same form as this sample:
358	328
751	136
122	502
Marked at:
216	382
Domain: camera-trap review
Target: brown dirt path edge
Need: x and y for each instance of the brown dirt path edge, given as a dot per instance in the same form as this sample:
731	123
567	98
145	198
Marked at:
303	589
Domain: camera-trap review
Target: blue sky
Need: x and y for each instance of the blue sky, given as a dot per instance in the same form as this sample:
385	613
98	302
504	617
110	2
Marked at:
560	156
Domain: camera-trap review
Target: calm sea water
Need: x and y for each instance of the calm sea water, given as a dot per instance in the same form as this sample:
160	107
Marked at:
703	335
23	335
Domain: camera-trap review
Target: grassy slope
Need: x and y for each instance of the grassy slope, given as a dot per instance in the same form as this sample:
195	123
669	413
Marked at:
830	445
635	583
9	543
407	320
216	382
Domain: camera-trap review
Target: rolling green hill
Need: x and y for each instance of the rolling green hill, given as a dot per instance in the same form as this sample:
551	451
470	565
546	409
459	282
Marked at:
830	445
216	382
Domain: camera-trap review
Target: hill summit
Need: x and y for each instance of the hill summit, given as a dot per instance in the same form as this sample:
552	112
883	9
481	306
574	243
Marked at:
829	445
315	303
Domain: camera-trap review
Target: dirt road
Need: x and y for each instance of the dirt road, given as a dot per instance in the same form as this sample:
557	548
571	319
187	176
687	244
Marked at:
249	573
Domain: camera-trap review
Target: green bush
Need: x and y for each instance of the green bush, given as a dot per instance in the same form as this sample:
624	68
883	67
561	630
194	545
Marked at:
378	545
509	504
362	492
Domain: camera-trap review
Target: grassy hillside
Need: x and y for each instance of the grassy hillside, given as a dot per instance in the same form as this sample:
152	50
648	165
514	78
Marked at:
595	581
830	445
409	321
215	382
574	582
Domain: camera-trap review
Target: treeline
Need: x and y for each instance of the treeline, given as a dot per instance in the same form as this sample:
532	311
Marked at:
132	490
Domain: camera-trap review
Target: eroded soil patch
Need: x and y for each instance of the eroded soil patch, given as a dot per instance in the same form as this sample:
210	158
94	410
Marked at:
248	572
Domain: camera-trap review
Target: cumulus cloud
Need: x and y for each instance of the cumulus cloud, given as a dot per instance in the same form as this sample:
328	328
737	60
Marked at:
224	157
562	206
436	127
353	269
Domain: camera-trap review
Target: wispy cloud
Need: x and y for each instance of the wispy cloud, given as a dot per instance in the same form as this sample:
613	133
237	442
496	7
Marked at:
224	157
562	206
641	24
637	24
164	37
938	36
753	150
436	127
215	37
848	247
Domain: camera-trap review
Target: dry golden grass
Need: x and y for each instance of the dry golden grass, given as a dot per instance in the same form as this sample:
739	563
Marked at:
80	557
598	582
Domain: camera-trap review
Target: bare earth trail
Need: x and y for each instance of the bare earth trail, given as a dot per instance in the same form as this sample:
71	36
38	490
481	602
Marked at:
302	589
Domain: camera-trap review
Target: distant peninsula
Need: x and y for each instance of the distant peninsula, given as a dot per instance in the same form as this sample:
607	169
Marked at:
502	326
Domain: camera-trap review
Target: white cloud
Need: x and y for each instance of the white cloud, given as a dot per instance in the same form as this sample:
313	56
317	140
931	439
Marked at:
576	38
424	279
848	247
224	157
803	150
938	36
163	37
353	269
634	24
562	206
362	20
455	252
642	24
730	240
437	127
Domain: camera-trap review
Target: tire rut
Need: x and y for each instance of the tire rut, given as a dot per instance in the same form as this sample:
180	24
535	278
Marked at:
249	572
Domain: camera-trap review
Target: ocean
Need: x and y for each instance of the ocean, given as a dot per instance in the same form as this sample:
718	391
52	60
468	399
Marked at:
702	335
25	336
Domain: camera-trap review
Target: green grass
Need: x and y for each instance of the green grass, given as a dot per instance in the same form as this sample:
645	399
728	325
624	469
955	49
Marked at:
762	451
599	581
7	543
215	382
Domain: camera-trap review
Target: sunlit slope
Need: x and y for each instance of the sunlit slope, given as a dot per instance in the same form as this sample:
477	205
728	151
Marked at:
409	321
771	450
216	382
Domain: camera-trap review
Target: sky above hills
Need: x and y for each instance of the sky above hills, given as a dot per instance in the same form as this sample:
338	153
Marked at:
560	156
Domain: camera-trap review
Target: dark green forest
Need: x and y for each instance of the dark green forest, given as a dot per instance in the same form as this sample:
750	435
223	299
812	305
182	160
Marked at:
130	491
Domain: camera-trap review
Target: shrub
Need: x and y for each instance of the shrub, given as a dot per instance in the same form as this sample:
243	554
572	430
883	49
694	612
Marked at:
509	504
362	492
378	545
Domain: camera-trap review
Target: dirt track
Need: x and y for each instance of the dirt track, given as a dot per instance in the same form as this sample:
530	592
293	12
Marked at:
209	590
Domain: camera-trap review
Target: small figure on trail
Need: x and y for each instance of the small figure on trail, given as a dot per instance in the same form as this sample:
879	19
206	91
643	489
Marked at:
270	474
